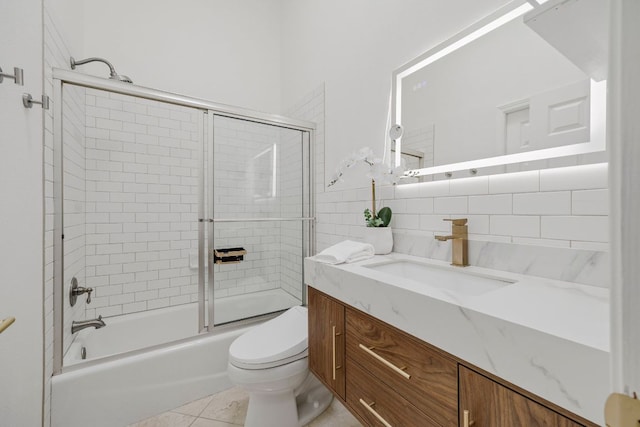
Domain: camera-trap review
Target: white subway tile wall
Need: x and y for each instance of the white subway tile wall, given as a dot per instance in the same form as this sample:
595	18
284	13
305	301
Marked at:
258	174
143	163
563	207
74	202
311	108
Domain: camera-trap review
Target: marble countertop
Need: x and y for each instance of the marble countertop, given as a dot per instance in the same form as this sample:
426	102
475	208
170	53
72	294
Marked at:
546	336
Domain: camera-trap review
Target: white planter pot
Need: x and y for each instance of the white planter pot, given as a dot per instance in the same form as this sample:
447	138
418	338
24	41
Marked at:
380	237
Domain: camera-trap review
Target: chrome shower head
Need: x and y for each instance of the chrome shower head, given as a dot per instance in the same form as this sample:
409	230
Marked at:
112	70
121	78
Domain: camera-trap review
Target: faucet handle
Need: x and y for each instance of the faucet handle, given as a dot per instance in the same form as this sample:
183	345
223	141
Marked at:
457	221
88	291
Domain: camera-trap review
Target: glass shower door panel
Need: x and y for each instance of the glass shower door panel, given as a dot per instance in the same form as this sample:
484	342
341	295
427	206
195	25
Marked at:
269	277
258	199
132	187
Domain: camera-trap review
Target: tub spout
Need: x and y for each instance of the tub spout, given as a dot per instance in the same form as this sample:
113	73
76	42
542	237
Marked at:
80	325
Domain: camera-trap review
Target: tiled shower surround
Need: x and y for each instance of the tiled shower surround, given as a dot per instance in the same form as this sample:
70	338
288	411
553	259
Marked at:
258	174
74	200
142	202
136	196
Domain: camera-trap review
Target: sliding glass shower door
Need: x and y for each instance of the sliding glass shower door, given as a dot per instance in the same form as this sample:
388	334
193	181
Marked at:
171	216
260	205
132	171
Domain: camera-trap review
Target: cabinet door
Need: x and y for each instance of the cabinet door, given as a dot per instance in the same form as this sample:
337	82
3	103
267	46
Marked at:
493	405
326	341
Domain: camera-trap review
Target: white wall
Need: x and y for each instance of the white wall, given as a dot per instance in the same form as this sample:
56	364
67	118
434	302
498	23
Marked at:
354	47
68	16
21	221
224	51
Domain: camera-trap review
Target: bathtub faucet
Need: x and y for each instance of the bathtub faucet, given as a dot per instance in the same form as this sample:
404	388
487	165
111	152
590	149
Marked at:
82	324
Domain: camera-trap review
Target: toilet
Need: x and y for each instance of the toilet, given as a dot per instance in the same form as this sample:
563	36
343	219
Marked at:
271	362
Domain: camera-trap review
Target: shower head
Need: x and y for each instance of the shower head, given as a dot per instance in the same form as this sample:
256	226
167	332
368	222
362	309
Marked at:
121	78
112	70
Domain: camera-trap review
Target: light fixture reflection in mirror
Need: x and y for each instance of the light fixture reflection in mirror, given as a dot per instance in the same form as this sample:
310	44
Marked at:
465	108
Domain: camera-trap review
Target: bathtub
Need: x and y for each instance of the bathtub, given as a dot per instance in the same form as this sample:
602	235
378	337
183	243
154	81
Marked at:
114	390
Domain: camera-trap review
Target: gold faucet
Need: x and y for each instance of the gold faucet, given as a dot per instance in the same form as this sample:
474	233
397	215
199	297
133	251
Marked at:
460	246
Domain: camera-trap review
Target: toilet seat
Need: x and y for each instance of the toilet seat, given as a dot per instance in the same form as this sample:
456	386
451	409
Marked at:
276	342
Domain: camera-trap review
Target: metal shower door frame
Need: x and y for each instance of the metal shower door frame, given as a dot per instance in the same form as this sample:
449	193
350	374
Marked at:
209	110
307	219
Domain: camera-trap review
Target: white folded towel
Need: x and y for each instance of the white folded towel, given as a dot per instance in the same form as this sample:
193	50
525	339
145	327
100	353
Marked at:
346	251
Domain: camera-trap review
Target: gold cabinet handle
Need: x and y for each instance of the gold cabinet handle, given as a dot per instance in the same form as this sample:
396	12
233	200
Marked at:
5	323
400	371
374	413
333	350
465	419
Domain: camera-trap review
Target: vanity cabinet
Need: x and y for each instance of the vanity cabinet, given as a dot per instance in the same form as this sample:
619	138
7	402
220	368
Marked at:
414	370
491	404
326	340
387	377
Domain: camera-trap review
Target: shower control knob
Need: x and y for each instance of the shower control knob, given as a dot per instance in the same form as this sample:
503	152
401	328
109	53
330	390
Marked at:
76	290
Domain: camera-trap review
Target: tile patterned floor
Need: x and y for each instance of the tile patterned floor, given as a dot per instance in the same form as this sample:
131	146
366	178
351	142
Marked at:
229	408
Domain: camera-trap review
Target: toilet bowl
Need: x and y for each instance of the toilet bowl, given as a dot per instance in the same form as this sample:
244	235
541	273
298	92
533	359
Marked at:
271	362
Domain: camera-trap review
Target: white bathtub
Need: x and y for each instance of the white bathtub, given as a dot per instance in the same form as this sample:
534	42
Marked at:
123	389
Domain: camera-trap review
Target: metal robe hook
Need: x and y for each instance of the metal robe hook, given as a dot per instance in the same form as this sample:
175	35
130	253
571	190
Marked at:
17	76
27	101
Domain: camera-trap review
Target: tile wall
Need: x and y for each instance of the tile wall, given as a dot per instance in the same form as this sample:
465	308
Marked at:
564	208
142	202
74	203
253	179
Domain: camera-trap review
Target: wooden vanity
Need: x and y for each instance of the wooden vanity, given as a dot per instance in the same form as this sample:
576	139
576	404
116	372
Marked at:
387	377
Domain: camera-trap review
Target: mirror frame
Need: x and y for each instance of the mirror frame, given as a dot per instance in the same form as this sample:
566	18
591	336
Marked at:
507	13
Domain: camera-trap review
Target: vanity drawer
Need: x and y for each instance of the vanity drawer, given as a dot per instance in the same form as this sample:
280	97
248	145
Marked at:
376	403
421	374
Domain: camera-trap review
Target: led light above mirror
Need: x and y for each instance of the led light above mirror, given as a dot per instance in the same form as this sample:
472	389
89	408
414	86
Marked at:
496	98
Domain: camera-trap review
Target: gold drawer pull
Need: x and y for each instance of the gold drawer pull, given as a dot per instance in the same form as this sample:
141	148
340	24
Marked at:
333	350
465	419
373	411
5	323
385	361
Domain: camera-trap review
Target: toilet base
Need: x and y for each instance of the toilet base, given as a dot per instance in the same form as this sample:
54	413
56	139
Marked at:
288	408
312	400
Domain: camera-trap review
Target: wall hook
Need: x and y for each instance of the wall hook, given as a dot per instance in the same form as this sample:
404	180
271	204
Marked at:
17	76
27	101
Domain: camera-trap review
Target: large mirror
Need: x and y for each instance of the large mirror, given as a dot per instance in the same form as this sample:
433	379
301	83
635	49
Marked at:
496	98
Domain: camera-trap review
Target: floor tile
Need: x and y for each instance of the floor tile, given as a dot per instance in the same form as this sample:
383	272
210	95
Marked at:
168	419
335	415
229	409
229	406
204	422
194	408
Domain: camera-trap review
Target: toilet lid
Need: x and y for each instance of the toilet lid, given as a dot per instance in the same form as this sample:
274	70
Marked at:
278	341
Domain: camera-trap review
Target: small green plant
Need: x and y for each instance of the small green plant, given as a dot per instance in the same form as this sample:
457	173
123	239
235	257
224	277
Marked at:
382	219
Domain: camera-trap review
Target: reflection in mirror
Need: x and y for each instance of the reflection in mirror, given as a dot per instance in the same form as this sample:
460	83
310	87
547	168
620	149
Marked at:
503	102
262	173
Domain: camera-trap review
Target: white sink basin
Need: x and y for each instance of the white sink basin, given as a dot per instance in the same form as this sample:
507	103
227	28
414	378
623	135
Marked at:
453	279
